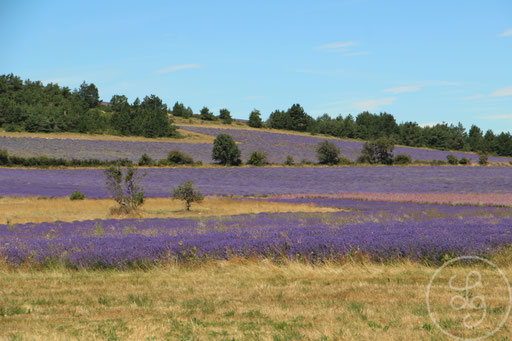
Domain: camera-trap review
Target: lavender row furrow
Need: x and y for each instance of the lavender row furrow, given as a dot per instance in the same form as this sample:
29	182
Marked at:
379	232
246	181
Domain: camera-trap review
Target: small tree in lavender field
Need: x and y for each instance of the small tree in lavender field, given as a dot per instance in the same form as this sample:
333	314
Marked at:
125	188
187	193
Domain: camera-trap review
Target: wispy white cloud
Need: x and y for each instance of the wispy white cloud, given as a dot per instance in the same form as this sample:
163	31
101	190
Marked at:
174	68
337	46
373	104
506	33
507	91
498	117
355	54
477	96
401	89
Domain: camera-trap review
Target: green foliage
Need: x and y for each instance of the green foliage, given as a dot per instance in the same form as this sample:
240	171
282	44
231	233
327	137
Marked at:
125	188
306	162
438	163
402	159
258	158
452	159
44	161
225	116
464	161
483	159
225	151
77	195
89	94
153	118
255	119
206	114
327	153
295	118
146	160
34	107
289	161
179	110
345	161
187	193
175	157
377	151
4	157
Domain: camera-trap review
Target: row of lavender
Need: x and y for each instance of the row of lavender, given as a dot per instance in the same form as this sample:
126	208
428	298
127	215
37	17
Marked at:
379	231
246	181
278	146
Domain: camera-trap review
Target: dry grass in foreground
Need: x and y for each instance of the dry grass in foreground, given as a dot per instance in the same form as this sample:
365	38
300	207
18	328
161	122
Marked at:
242	300
35	210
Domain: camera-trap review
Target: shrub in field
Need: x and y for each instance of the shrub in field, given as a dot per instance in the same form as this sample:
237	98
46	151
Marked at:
258	158
125	188
483	159
4	157
77	195
345	161
225	116
438	163
402	159
146	160
187	193
452	159
465	161
306	162
178	158
289	161
225	151
327	153
377	151
255	119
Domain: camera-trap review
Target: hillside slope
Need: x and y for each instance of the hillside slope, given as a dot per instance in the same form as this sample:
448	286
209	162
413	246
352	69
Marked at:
278	145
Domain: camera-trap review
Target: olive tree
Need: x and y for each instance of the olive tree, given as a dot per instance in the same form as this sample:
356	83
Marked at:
187	193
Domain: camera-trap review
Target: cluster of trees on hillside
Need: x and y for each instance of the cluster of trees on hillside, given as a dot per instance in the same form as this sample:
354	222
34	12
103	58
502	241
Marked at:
34	107
368	126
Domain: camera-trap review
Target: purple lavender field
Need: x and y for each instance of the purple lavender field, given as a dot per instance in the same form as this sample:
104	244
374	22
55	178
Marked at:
277	144
101	149
427	233
246	181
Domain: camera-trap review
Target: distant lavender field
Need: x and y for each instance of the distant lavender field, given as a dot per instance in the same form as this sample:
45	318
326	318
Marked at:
267	180
278	146
100	149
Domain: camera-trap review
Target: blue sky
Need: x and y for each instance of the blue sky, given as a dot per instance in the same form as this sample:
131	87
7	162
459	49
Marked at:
428	61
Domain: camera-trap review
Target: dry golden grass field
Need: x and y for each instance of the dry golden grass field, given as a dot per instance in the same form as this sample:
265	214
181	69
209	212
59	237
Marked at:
231	300
188	137
36	210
